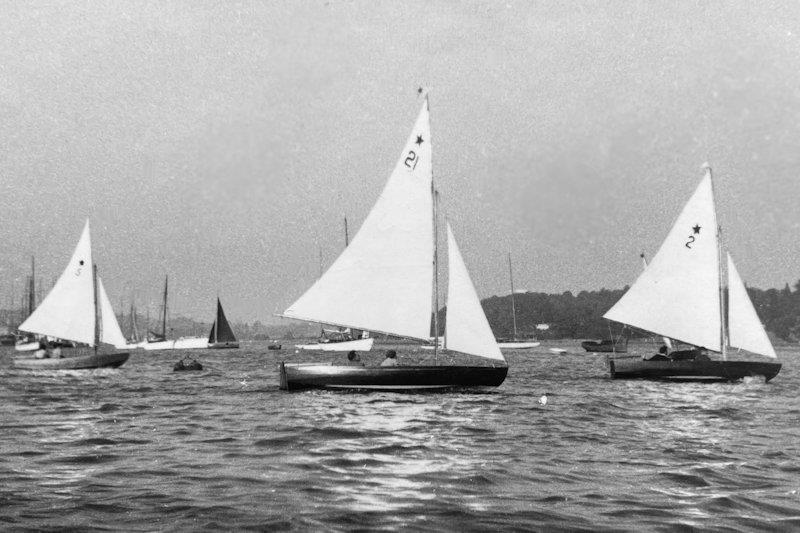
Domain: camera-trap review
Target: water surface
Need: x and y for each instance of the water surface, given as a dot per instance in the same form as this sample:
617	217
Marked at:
141	448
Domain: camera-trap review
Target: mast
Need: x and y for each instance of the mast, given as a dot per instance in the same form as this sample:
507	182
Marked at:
134	329
97	317
435	196
346	236
321	327
723	315
164	316
513	307
32	288
216	323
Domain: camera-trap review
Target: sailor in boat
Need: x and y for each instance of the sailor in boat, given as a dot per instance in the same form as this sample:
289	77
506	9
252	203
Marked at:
391	359
695	353
354	359
46	352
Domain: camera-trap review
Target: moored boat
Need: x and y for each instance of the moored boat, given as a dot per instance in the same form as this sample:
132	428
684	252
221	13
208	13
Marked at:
682	295
515	343
359	345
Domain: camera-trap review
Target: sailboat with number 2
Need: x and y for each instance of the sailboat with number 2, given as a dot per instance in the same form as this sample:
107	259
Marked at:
681	296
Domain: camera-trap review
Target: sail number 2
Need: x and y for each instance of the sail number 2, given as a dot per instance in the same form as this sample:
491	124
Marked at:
411	160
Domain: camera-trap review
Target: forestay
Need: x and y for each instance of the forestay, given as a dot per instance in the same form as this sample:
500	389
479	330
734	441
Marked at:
68	311
383	280
677	295
467	330
744	327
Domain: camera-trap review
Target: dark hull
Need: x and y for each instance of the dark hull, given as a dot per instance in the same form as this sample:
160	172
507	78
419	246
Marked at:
391	378
223	345
81	362
605	347
690	370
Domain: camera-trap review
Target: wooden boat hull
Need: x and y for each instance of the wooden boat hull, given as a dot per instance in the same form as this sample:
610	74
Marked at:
517	345
100	360
690	370
358	345
389	378
223	345
605	347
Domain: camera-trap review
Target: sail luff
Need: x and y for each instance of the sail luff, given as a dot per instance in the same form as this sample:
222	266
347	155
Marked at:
723	327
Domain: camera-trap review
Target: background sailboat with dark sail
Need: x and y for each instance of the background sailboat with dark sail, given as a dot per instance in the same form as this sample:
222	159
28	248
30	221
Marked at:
384	282
680	295
515	343
79	310
221	335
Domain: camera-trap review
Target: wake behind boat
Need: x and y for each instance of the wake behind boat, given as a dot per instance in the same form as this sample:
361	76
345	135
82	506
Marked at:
681	295
383	282
76	309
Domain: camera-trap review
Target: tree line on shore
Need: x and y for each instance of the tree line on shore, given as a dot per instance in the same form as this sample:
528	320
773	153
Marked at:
539	315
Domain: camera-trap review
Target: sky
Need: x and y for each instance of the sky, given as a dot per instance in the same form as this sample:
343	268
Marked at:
222	143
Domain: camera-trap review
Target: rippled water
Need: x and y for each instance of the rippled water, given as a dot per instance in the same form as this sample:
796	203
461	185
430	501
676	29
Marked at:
143	448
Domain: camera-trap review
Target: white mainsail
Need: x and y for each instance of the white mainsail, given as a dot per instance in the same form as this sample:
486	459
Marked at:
110	331
68	310
677	295
744	327
467	329
383	280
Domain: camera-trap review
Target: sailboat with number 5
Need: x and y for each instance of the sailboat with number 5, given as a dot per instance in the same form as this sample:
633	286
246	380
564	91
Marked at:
76	309
384	282
681	295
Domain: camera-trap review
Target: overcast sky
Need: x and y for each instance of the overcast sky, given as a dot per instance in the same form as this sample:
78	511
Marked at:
222	143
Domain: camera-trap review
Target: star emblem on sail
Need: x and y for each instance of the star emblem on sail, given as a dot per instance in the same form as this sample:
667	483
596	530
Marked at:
678	294
68	310
383	281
